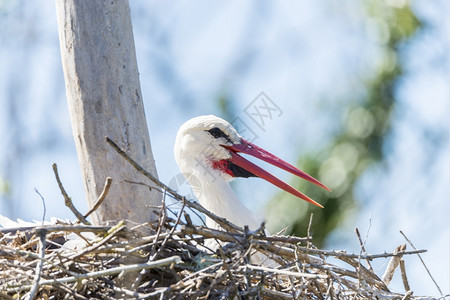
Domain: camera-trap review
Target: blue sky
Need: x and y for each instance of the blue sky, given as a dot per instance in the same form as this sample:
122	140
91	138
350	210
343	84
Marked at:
191	53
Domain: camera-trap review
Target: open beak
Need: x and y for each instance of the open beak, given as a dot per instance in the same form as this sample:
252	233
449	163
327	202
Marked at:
253	150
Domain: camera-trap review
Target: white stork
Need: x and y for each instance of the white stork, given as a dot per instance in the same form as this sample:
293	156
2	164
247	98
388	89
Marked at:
206	150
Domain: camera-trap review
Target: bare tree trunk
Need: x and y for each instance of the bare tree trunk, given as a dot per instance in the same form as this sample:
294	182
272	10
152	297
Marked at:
104	97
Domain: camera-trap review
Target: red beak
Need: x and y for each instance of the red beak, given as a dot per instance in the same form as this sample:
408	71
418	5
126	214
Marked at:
253	150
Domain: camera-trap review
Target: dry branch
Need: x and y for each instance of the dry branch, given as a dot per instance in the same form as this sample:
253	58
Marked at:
393	263
404	277
35	287
423	263
363	249
67	199
101	197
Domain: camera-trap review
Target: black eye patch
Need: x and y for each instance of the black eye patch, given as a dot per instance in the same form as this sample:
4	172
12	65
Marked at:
218	133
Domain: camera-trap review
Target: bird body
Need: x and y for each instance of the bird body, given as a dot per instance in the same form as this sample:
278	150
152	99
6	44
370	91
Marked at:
207	151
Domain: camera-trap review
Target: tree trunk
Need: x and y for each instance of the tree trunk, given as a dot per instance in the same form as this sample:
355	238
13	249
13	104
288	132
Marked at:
104	97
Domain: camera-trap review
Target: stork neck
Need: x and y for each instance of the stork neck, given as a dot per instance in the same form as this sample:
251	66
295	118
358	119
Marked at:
217	196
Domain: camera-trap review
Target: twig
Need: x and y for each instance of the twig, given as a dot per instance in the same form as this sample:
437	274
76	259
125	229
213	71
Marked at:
352	255
69	291
43	204
308	235
214	266
110	235
35	287
101	197
72	228
161	220
212	233
426	268
407	295
171	230
139	183
28	254
129	293
113	271
238	237
283	239
404	278
67	199
308	232
363	249
276	294
367	275
392	265
284	272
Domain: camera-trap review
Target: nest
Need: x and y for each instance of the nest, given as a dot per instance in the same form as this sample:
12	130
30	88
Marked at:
176	261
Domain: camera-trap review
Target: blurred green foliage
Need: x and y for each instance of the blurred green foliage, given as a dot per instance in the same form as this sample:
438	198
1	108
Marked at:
5	187
359	141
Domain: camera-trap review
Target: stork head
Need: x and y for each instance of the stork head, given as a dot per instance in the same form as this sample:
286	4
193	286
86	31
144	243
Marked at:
208	147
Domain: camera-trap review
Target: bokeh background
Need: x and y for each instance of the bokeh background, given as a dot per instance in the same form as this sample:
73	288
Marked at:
362	96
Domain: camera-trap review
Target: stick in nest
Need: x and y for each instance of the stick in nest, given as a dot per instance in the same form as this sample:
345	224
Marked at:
67	199
42	234
392	265
101	197
426	268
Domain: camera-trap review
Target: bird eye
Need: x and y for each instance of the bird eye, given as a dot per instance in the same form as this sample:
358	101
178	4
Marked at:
218	133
